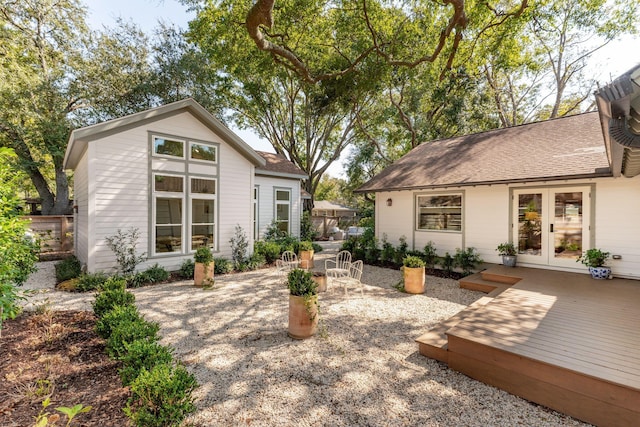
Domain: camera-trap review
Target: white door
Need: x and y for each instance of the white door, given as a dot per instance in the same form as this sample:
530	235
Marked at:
551	225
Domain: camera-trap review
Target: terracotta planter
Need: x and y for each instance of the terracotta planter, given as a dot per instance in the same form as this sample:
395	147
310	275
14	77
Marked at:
306	259
414	280
321	280
303	321
199	275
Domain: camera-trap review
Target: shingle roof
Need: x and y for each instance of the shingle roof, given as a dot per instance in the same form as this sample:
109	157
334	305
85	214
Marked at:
565	148
279	165
327	205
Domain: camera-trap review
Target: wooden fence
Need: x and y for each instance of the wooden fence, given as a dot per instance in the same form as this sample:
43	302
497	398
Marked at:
55	233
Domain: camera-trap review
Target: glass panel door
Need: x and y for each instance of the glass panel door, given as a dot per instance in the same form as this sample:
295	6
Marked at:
530	217
568	225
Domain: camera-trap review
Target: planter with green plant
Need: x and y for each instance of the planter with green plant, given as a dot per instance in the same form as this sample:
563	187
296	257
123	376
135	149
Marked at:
509	253
595	259
303	304
306	254
203	270
413	272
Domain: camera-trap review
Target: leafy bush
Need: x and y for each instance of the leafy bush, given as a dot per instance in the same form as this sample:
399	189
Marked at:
151	275
114	283
447	263
187	268
270	250
68	268
305	245
239	245
388	252
142	354
161	397
203	255
256	261
430	255
127	331
413	262
123	245
91	281
401	251
301	284
307	231
112	318
316	247
222	266
467	259
108	300
274	233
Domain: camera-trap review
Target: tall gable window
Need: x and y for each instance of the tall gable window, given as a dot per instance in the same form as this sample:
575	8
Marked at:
283	209
184	195
441	212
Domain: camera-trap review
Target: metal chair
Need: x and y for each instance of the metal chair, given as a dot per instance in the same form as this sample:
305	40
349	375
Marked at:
338	267
355	274
288	261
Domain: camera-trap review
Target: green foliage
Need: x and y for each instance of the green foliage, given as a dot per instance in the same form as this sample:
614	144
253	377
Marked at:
388	253
401	251
594	257
74	411
447	262
507	248
222	266
273	232
68	268
467	259
91	281
430	255
269	249
305	246
301	284
316	247
151	275
307	231
161	396
187	269
413	262
142	354
108	300
44	418
112	318
239	245
114	283
203	255
128	330
256	261
123	245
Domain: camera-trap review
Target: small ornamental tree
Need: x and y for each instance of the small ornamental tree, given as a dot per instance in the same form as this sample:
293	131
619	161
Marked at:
124	244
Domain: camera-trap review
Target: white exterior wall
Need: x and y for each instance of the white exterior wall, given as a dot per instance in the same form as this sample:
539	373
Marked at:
266	203
119	169
81	212
486	221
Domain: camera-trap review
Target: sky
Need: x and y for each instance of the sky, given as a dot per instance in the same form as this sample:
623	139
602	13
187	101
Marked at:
612	61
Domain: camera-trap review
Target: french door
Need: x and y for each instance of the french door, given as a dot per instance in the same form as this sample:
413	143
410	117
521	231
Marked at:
551	225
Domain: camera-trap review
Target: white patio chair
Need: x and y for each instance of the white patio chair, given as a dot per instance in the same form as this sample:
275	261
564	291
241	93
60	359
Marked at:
338	267
288	261
355	274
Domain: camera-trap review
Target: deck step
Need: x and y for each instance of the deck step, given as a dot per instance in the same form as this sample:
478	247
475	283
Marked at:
433	343
477	282
499	276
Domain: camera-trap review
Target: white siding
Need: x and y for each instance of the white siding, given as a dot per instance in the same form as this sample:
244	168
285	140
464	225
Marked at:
487	221
266	206
81	219
119	166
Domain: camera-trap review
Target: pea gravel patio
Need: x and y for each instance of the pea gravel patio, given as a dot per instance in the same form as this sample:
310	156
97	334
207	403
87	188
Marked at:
363	369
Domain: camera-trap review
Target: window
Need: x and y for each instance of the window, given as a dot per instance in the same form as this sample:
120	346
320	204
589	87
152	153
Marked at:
203	186
208	153
168	224
283	210
202	222
439	212
168	147
256	230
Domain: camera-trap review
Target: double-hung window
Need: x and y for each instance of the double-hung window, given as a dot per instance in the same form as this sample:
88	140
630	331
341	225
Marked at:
203	212
283	209
439	212
168	198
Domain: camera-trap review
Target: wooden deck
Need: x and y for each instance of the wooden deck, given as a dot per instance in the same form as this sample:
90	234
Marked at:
559	339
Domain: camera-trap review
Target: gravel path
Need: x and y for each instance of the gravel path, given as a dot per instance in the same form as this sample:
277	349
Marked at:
365	370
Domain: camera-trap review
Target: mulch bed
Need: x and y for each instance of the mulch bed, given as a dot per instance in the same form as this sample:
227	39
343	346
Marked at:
57	354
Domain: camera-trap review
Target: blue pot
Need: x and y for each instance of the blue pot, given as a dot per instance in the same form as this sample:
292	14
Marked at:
600	272
509	260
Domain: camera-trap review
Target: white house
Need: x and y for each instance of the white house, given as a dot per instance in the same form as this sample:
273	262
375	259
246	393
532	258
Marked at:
180	177
553	188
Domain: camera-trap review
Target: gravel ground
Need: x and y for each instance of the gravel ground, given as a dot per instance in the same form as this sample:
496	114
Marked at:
364	369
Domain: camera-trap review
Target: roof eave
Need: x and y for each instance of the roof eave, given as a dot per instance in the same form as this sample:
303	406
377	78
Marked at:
262	172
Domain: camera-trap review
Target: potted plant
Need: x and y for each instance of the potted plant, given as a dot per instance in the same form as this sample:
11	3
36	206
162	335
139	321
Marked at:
595	259
321	279
413	272
203	270
306	254
303	304
509	253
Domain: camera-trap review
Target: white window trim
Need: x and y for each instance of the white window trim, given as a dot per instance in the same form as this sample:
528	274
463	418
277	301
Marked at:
430	230
282	202
202	196
154	207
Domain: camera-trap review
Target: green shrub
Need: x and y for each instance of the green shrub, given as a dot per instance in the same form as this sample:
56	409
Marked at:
411	261
239	245
107	300
142	354
401	251
203	255
151	275
91	281
467	260
388	252
114	283
430	256
307	230
157	273
256	261
270	250
128	331
305	245
186	269
222	266
301	284
123	245
68	268
447	263
316	247
112	318
161	397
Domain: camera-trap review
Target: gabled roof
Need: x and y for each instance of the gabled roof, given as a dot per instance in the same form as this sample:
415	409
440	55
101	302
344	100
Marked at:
327	205
279	166
80	137
565	148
